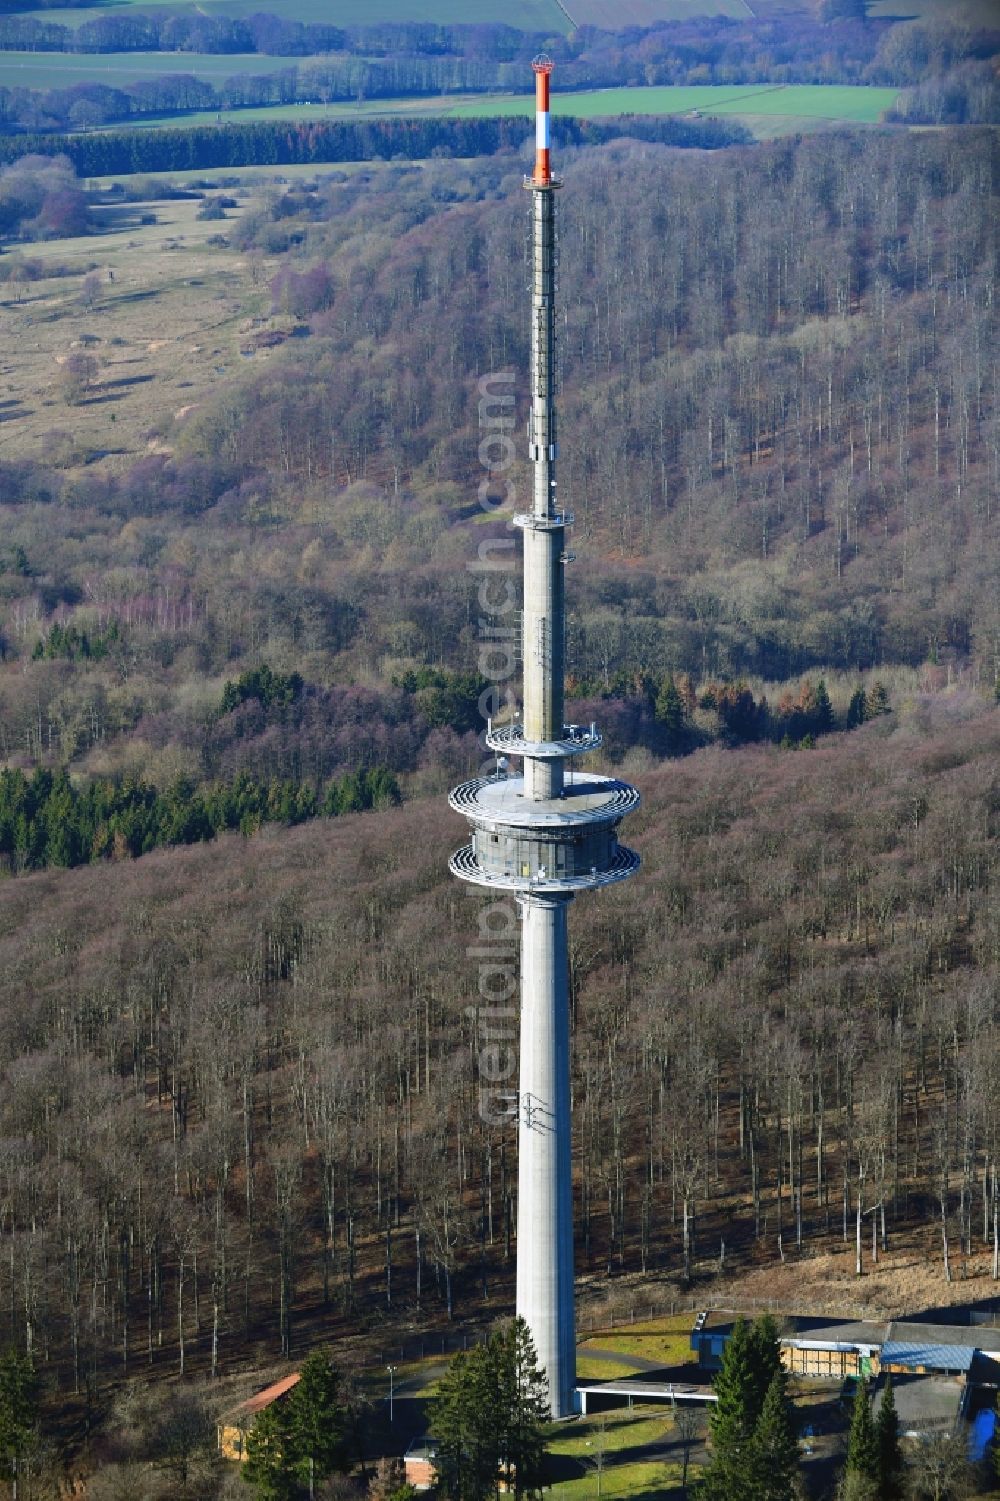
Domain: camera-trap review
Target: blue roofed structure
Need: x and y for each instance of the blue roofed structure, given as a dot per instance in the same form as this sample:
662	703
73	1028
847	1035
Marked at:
926	1355
845	1347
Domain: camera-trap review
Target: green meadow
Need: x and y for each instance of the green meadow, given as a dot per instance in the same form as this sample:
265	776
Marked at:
767	111
526	15
810	101
52	70
370	110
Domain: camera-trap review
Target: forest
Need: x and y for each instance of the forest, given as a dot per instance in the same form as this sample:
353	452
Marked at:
796	476
286	143
946	71
724	50
241	1103
240	1109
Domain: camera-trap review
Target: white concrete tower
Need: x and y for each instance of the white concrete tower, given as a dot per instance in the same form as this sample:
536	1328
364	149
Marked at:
544	835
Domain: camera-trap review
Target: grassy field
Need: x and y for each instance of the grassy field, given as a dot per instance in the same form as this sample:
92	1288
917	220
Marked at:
633	1444
651	1481
805	101
526	15
243	177
619	1430
588	1369
768	111
667	1340
612	14
370	110
50	70
165	328
971	12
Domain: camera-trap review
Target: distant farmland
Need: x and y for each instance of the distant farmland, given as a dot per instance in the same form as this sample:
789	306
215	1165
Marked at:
766	110
53	70
614	14
967	12
826	102
376	109
526	15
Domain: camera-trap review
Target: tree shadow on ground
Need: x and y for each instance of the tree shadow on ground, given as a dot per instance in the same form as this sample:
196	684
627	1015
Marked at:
130	380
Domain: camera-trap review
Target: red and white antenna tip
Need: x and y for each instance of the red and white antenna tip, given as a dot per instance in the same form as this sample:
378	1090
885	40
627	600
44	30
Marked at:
542	66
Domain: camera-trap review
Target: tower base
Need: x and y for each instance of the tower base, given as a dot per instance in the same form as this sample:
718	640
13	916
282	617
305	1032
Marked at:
545	1185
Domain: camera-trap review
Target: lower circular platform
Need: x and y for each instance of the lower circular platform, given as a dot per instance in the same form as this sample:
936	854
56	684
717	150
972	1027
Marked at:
464	864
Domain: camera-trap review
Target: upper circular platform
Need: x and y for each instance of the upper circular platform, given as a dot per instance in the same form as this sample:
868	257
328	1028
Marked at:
576	740
499	802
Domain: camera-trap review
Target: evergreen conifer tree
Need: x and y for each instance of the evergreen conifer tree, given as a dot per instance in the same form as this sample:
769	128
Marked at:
764	1349
270	1461
773	1460
862	1444
754	1452
857	709
488	1419
18	1402
669	710
525	1406
467	1454
824	718
730	1421
316	1421
890	1458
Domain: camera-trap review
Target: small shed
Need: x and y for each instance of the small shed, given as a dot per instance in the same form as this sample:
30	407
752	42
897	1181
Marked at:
708	1338
833	1349
235	1426
418	1464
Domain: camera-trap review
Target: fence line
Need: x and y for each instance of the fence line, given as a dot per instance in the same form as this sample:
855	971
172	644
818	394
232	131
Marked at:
440	1345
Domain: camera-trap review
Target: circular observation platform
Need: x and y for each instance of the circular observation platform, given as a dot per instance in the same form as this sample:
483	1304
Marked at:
586	798
464	864
576	740
566	843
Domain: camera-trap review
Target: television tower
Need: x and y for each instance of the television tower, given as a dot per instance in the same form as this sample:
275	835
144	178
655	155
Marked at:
544	835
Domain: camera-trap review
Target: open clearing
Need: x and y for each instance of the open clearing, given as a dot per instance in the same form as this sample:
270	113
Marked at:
51	70
374	109
611	15
969	12
766	109
237	177
635	1445
666	1341
525	15
853	103
173	315
163	331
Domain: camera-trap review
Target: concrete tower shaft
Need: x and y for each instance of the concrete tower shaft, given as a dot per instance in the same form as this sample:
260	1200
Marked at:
544	1147
545	835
